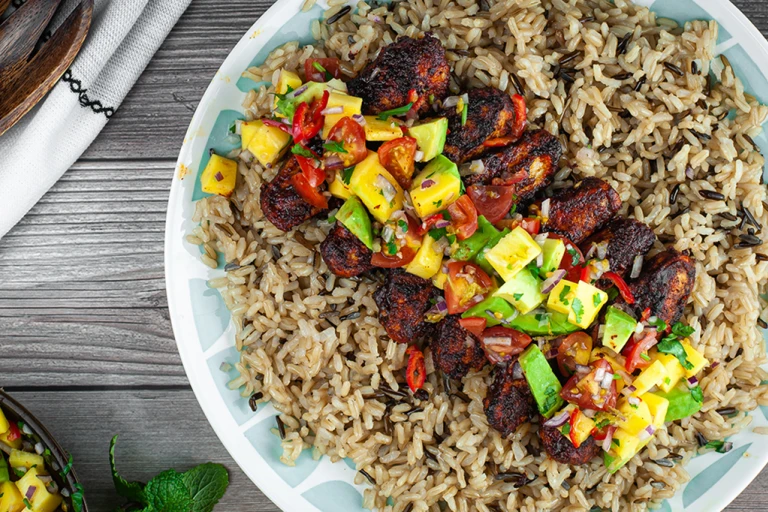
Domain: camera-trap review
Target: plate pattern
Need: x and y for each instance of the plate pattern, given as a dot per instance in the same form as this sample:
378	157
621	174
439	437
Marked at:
202	323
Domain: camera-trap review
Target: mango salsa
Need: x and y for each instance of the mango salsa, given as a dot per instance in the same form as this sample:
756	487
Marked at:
338	188
651	376
20	459
11	500
350	106
633	418
623	448
427	261
561	296
219	176
581	429
657	406
41	500
372	183
695	358
513	253
586	304
435	187
674	369
267	143
377	130
4	424
287	80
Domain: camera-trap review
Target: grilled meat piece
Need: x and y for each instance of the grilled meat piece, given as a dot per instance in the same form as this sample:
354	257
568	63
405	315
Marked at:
562	450
624	238
664	285
510	402
344	253
281	204
405	65
490	115
534	158
579	211
403	300
455	350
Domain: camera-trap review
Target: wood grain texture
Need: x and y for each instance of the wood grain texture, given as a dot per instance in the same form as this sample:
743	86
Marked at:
85	336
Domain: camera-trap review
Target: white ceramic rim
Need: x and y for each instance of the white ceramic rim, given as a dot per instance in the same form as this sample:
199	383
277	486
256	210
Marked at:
219	417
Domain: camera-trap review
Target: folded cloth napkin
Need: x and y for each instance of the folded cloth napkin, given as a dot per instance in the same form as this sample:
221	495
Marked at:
35	153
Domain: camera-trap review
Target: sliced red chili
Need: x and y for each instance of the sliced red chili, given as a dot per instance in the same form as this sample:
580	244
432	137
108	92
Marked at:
308	120
624	290
416	371
572	432
277	124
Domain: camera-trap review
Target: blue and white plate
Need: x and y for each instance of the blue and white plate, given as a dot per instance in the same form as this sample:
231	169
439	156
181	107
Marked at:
205	334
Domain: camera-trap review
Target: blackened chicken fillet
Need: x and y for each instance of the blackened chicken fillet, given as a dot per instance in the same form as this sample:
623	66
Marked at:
403	300
561	449
665	285
455	350
579	211
344	253
509	402
281	204
405	65
624	239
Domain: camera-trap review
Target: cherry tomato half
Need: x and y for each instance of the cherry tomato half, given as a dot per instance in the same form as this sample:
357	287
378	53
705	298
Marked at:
574	349
398	156
13	432
601	433
635	350
467	285
352	136
586	391
321	70
502	343
492	202
531	224
474	324
307	120
310	194
416	371
404	256
311	170
463	217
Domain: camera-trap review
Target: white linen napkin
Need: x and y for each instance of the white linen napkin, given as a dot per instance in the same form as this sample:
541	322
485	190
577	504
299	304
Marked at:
35	153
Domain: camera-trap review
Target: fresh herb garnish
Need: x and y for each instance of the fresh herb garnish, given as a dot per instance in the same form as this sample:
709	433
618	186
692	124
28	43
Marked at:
446	215
602	423
564	294
403	225
697	394
659	324
285	105
681	330
27	504
66	469
616	442
575	257
513	209
534	270
346	175
300	150
451	238
578	309
671	345
719	446
321	69
518	296
391	248
567	428
645	356
438	233
77	497
399	111
596	299
197	490
438	203
334	146
464	114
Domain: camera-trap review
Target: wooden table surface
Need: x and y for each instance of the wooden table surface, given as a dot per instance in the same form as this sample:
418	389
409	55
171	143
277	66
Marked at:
85	334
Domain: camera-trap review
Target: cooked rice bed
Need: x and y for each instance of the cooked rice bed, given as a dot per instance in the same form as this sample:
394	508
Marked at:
323	366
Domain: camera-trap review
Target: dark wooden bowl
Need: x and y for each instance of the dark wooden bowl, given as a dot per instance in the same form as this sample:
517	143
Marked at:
16	412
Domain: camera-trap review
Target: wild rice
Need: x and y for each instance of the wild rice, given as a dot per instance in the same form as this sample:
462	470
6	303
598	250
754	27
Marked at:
338	379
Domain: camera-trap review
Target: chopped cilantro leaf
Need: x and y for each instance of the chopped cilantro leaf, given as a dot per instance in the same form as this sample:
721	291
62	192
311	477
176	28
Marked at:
300	150
578	309
670	345
27	503
438	203
518	296
602	423
616	376
391	248
681	330
346	175
334	146
574	255
403	225
564	294
399	111
533	269
321	69
719	446
566	429
596	299
437	234
451	238
697	394
446	215
660	324
616	442
286	105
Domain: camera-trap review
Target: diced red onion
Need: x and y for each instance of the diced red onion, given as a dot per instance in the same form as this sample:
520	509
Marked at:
551	353
639	328
359	119
419	156
602	250
607	380
692	382
728	446
427	183
442	223
549	284
631	388
387	233
589	413
541	238
412	115
557	420
545	208
608	439
386	187
333	162
476	166
332	110
581	369
637	266
450	101
442	306
517	371
591	251
715	364
633	400
30	491
650	429
643	435
540	259
219	176
299	91
39	448
285	120
441	246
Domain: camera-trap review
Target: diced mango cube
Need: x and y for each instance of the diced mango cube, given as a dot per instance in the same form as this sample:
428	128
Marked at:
633	418
377	130
440	278
695	358
427	261
561	296
624	446
338	188
20	459
586	304
267	143
674	369
11	500
435	187
513	253
287	79
581	429
350	106
16	443
4	423
41	500
657	406
372	183
219	176
651	376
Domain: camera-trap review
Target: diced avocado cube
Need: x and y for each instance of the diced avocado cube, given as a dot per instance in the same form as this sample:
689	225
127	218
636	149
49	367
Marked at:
368	182
377	130
543	324
427	261
338	188
430	137
11	500
267	143
623	448
633	417
658	407
675	371
554	250
681	403
468	249
561	296
29	460
219	176
586	304
542	380
513	253
493	309
350	105
480	259
437	186
523	291
4	423
695	358
354	217
41	500
619	327
287	80
5	475
651	376
581	429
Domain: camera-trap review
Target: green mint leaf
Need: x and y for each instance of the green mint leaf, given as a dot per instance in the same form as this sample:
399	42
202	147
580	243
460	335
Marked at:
670	345
167	492
77	497
578	309
346	175
334	146
134	491
300	150
399	111
206	484
681	330
697	394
